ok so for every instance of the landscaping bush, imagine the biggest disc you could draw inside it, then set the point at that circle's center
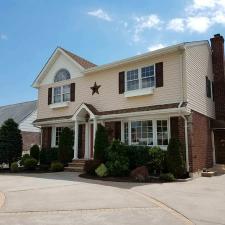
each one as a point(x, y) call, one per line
point(35, 152)
point(168, 177)
point(117, 160)
point(56, 167)
point(101, 143)
point(156, 160)
point(101, 171)
point(175, 159)
point(138, 156)
point(65, 154)
point(91, 165)
point(10, 142)
point(47, 156)
point(30, 164)
point(23, 158)
point(14, 167)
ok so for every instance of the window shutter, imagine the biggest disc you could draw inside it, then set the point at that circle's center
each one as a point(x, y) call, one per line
point(159, 74)
point(121, 82)
point(72, 92)
point(49, 96)
point(213, 91)
point(208, 87)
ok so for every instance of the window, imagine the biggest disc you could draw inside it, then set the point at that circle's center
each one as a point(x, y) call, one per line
point(132, 80)
point(142, 132)
point(162, 132)
point(126, 133)
point(148, 76)
point(61, 94)
point(208, 88)
point(61, 75)
point(138, 79)
point(57, 135)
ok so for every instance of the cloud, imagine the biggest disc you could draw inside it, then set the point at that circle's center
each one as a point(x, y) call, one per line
point(155, 47)
point(198, 24)
point(99, 13)
point(176, 24)
point(3, 36)
point(143, 23)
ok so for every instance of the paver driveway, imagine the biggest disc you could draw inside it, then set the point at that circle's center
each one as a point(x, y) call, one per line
point(64, 198)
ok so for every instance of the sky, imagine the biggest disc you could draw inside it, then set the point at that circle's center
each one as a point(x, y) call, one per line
point(100, 31)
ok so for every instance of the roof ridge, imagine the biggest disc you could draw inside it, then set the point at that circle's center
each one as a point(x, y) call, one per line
point(82, 61)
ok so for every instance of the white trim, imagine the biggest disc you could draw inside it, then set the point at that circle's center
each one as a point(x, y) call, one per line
point(53, 140)
point(86, 151)
point(83, 106)
point(139, 92)
point(59, 105)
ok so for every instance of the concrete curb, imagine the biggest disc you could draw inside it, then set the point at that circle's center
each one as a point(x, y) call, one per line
point(2, 199)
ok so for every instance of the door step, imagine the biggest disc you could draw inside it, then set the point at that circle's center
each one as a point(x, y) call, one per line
point(76, 165)
point(217, 169)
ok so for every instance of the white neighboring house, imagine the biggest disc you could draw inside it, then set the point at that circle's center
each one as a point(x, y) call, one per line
point(24, 114)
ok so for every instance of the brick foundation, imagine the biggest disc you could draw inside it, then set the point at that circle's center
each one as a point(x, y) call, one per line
point(30, 139)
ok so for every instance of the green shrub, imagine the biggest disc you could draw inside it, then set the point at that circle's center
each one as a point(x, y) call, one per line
point(56, 167)
point(65, 154)
point(156, 160)
point(30, 164)
point(175, 159)
point(101, 171)
point(47, 156)
point(117, 160)
point(23, 158)
point(101, 143)
point(91, 165)
point(138, 156)
point(168, 177)
point(35, 152)
point(14, 167)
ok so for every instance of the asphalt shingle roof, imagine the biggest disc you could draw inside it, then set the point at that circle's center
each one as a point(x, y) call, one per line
point(18, 111)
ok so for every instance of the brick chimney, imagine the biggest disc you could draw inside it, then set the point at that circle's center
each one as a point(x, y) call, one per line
point(217, 46)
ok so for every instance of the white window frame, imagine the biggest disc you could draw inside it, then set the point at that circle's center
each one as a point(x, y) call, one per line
point(139, 78)
point(154, 127)
point(61, 93)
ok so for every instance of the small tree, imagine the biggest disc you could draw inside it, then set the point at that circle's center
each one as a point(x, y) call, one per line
point(66, 146)
point(101, 143)
point(175, 159)
point(35, 152)
point(10, 142)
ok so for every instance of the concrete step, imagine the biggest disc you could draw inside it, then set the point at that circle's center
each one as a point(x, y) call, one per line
point(76, 164)
point(208, 174)
point(79, 160)
point(218, 169)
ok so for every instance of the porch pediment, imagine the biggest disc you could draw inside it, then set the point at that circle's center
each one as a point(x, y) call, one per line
point(85, 110)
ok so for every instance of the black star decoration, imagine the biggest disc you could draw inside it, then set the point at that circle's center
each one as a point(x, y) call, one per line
point(95, 88)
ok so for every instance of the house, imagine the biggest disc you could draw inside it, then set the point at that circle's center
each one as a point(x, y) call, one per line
point(177, 91)
point(24, 114)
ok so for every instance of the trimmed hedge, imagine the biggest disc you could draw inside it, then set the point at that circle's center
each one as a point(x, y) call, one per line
point(56, 167)
point(30, 164)
point(47, 156)
point(14, 167)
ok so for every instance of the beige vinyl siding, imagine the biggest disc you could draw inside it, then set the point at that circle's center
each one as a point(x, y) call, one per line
point(198, 66)
point(27, 123)
point(109, 97)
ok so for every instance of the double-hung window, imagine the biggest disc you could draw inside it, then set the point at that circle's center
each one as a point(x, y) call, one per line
point(58, 132)
point(162, 132)
point(61, 94)
point(132, 80)
point(140, 78)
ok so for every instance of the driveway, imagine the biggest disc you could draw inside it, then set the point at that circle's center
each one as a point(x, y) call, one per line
point(64, 198)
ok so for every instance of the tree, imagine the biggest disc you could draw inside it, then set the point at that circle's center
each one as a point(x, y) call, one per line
point(35, 152)
point(11, 143)
point(101, 143)
point(66, 146)
point(175, 159)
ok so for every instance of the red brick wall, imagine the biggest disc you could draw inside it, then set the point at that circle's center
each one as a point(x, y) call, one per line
point(200, 142)
point(177, 129)
point(30, 138)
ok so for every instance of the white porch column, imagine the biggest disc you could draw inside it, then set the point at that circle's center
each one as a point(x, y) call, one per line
point(122, 131)
point(129, 132)
point(86, 154)
point(75, 140)
point(94, 130)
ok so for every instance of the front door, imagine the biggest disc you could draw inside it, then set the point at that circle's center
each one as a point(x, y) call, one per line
point(81, 141)
point(219, 137)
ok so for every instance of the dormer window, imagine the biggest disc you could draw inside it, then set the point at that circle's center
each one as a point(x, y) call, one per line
point(61, 75)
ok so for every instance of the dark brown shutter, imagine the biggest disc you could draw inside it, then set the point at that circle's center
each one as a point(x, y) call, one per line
point(208, 87)
point(46, 137)
point(121, 82)
point(72, 92)
point(159, 74)
point(49, 96)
